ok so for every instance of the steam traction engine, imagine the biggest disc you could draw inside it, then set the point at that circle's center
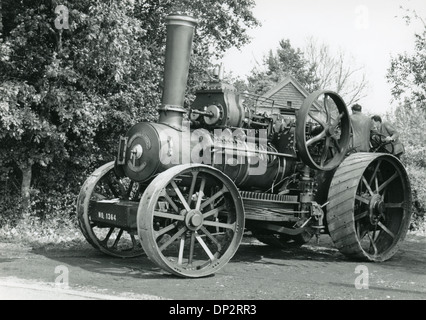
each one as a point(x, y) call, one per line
point(184, 190)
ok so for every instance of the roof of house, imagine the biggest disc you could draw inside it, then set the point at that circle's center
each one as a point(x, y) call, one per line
point(283, 83)
point(289, 79)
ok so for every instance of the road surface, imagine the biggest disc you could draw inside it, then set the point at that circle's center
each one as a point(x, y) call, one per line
point(257, 272)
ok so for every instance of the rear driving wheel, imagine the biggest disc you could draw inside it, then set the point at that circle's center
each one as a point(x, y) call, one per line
point(369, 206)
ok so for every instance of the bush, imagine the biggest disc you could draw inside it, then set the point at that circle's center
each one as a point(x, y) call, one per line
point(10, 208)
point(52, 218)
point(35, 231)
point(417, 176)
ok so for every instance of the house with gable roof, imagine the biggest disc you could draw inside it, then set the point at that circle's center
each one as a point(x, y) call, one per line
point(288, 93)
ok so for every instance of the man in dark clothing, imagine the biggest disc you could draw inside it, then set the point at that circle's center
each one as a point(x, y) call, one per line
point(361, 127)
point(389, 135)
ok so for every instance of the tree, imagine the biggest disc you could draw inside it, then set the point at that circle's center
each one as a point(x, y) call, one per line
point(286, 60)
point(407, 76)
point(336, 72)
point(407, 73)
point(67, 94)
point(315, 67)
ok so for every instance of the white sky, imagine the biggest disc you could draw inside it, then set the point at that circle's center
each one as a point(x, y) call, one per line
point(367, 30)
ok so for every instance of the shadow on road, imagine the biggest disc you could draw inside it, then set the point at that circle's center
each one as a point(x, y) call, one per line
point(252, 250)
point(92, 260)
point(410, 258)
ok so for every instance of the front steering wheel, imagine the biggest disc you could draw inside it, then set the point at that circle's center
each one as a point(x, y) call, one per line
point(323, 130)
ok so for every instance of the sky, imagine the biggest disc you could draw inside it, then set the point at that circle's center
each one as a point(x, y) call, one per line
point(370, 31)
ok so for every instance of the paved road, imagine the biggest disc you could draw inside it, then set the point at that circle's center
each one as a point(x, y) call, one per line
point(314, 271)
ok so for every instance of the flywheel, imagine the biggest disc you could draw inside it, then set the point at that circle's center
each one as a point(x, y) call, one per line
point(369, 208)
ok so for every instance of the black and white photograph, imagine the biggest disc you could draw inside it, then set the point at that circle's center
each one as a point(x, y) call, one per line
point(213, 158)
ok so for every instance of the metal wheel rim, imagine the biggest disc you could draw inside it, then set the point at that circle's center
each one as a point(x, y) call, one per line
point(88, 227)
point(168, 235)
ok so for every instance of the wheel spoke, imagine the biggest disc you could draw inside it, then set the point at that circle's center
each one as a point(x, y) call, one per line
point(191, 248)
point(361, 215)
point(395, 205)
point(172, 239)
point(322, 123)
point(325, 151)
point(214, 197)
point(326, 108)
point(200, 194)
point(386, 183)
point(362, 199)
point(191, 189)
point(381, 225)
point(164, 230)
point(179, 194)
point(181, 247)
point(112, 188)
point(170, 201)
point(368, 186)
point(134, 242)
point(376, 170)
point(117, 240)
point(372, 244)
point(169, 215)
point(105, 241)
point(204, 246)
point(213, 212)
point(212, 238)
point(220, 224)
point(336, 144)
point(316, 138)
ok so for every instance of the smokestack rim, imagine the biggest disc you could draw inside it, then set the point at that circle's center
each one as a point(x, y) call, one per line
point(183, 20)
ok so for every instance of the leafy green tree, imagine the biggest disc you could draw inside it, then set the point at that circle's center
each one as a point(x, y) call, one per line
point(67, 94)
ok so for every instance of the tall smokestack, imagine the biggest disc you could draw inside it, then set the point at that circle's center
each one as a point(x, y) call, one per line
point(180, 31)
